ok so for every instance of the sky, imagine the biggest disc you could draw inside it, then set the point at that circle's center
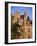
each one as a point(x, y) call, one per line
point(22, 10)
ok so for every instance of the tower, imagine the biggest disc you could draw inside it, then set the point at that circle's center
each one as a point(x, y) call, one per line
point(17, 14)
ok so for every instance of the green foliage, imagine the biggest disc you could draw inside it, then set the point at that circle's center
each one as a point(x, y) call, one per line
point(15, 27)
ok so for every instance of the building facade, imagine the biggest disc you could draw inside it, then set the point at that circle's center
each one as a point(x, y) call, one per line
point(24, 26)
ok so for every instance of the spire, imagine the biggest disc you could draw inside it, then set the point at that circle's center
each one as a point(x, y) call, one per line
point(28, 19)
point(25, 13)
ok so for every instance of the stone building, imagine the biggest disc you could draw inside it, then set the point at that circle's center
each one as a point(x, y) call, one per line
point(27, 27)
point(25, 24)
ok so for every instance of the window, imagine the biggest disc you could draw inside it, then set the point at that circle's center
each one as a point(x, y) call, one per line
point(28, 30)
point(28, 36)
